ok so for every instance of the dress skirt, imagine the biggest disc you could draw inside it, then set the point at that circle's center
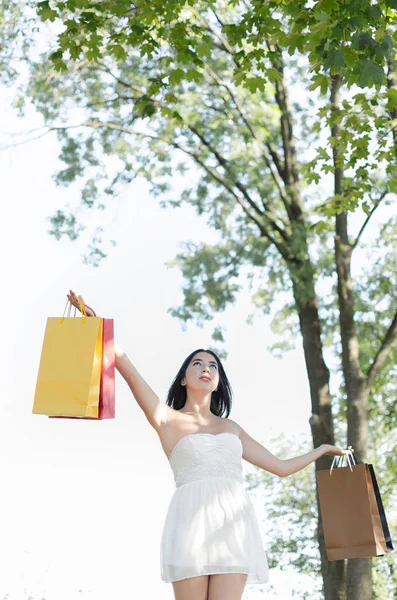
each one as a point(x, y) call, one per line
point(210, 528)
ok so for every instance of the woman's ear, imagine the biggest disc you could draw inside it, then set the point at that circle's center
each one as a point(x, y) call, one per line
point(183, 382)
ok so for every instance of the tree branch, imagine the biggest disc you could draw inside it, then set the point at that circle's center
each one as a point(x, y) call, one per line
point(37, 137)
point(294, 207)
point(210, 170)
point(274, 173)
point(215, 175)
point(222, 161)
point(217, 17)
point(375, 206)
point(223, 41)
point(109, 101)
point(120, 81)
point(225, 164)
point(280, 175)
point(277, 161)
point(237, 104)
point(226, 46)
point(383, 351)
point(391, 84)
point(287, 174)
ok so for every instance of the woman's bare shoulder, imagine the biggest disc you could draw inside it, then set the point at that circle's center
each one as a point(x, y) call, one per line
point(237, 429)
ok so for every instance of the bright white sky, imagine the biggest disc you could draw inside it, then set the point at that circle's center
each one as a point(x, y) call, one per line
point(83, 503)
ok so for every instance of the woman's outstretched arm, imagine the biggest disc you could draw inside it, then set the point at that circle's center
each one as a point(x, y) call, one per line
point(260, 456)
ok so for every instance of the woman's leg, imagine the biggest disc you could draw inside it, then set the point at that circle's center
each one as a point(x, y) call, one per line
point(192, 588)
point(228, 585)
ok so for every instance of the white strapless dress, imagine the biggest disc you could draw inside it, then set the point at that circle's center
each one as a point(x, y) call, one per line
point(211, 525)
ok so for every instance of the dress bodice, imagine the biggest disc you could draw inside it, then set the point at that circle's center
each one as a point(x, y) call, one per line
point(206, 455)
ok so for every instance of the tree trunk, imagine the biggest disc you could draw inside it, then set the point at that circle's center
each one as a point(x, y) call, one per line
point(321, 423)
point(302, 278)
point(359, 571)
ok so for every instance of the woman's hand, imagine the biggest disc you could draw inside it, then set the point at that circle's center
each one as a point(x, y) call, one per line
point(73, 299)
point(334, 450)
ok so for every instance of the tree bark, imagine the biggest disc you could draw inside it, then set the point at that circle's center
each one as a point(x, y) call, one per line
point(392, 83)
point(303, 282)
point(359, 571)
point(321, 423)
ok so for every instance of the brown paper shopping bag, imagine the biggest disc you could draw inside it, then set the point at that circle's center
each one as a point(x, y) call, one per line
point(354, 521)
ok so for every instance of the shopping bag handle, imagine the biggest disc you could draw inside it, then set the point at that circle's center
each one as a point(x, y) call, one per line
point(69, 306)
point(350, 459)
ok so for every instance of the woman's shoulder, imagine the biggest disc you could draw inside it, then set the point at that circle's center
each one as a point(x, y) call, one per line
point(233, 426)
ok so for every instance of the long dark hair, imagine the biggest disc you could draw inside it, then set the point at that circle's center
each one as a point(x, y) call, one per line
point(221, 400)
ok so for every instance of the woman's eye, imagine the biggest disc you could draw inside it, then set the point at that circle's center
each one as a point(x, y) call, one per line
point(197, 362)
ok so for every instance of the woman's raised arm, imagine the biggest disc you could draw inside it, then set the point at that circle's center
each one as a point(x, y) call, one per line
point(155, 411)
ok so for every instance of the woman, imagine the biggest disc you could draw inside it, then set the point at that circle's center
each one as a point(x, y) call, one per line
point(210, 545)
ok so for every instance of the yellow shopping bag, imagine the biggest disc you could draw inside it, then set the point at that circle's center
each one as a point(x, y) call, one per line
point(69, 375)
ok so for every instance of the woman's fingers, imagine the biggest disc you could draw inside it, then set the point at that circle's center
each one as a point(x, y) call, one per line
point(75, 301)
point(336, 451)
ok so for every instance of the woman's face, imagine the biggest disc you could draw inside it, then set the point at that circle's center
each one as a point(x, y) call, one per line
point(202, 373)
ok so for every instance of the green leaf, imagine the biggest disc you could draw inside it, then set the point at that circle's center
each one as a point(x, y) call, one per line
point(203, 51)
point(59, 63)
point(387, 46)
point(45, 12)
point(375, 13)
point(176, 76)
point(193, 75)
point(321, 26)
point(118, 51)
point(274, 74)
point(363, 40)
point(255, 83)
point(320, 81)
point(177, 116)
point(170, 97)
point(369, 73)
point(320, 226)
point(366, 208)
point(335, 62)
point(328, 5)
point(298, 42)
point(351, 57)
point(166, 112)
point(321, 16)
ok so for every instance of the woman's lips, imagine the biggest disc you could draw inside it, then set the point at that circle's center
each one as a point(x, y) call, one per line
point(205, 378)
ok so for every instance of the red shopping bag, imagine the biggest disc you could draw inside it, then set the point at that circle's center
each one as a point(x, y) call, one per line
point(106, 406)
point(106, 409)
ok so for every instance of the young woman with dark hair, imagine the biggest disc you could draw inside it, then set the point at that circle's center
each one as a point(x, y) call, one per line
point(210, 545)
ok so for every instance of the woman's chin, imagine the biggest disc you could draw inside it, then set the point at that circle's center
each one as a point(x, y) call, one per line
point(203, 386)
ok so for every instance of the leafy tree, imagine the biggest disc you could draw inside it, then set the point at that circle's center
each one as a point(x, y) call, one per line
point(219, 92)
